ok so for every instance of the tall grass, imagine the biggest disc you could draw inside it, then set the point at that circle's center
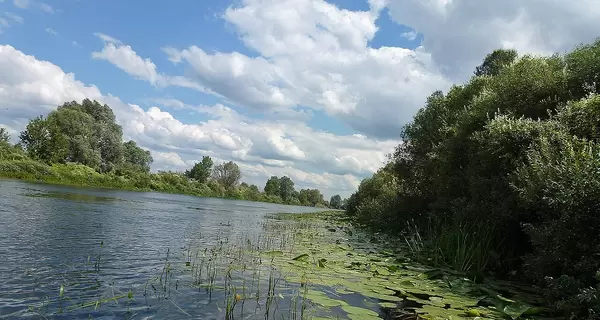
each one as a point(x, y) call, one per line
point(462, 246)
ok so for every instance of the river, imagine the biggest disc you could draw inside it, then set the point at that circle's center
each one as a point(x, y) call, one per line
point(84, 253)
point(52, 236)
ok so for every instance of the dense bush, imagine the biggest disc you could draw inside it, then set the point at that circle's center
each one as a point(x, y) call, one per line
point(502, 173)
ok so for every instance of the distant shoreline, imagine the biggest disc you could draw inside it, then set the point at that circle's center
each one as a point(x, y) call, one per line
point(72, 175)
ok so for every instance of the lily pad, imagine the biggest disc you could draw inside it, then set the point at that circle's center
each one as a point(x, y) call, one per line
point(352, 310)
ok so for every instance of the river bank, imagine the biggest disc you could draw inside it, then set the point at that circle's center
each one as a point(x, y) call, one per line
point(72, 174)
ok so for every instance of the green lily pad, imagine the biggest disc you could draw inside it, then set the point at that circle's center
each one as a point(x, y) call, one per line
point(352, 310)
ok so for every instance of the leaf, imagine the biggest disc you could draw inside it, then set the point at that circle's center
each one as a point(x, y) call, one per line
point(359, 311)
point(275, 253)
point(302, 257)
point(321, 262)
point(515, 310)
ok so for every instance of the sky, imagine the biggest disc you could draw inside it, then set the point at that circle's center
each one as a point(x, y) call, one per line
point(312, 89)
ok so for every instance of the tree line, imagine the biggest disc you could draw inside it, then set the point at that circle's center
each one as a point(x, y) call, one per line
point(501, 175)
point(82, 144)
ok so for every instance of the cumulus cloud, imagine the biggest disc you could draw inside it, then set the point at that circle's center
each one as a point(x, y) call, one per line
point(458, 34)
point(126, 59)
point(51, 31)
point(25, 4)
point(32, 87)
point(315, 55)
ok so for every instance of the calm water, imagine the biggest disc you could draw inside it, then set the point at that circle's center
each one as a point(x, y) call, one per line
point(53, 235)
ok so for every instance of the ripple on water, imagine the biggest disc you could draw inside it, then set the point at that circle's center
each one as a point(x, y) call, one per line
point(101, 244)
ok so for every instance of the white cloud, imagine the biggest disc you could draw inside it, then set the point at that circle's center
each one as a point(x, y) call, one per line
point(410, 35)
point(126, 59)
point(14, 17)
point(315, 55)
point(33, 87)
point(107, 38)
point(458, 34)
point(51, 31)
point(46, 8)
point(23, 4)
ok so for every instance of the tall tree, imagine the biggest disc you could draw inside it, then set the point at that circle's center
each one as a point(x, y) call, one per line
point(286, 188)
point(85, 133)
point(310, 197)
point(495, 61)
point(135, 157)
point(227, 174)
point(272, 186)
point(35, 138)
point(201, 170)
point(336, 202)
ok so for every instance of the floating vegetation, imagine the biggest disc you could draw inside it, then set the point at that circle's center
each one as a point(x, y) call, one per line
point(297, 268)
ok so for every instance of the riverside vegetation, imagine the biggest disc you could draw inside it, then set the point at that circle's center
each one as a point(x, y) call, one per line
point(300, 266)
point(81, 144)
point(500, 175)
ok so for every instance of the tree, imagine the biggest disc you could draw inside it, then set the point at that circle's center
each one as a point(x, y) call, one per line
point(4, 135)
point(336, 202)
point(286, 189)
point(310, 197)
point(85, 133)
point(495, 61)
point(201, 170)
point(35, 138)
point(272, 186)
point(227, 174)
point(136, 158)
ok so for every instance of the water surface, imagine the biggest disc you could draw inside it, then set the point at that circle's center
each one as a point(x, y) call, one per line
point(99, 244)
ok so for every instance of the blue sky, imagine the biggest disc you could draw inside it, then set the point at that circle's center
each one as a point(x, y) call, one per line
point(53, 37)
point(316, 90)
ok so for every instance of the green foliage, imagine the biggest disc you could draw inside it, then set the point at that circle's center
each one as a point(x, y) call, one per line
point(501, 174)
point(495, 62)
point(227, 174)
point(375, 202)
point(311, 198)
point(272, 186)
point(201, 170)
point(335, 202)
point(286, 189)
point(135, 158)
point(4, 136)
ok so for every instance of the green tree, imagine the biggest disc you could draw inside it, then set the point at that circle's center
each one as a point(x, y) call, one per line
point(201, 171)
point(286, 189)
point(272, 186)
point(136, 158)
point(310, 197)
point(36, 139)
point(336, 201)
point(496, 61)
point(4, 135)
point(227, 174)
